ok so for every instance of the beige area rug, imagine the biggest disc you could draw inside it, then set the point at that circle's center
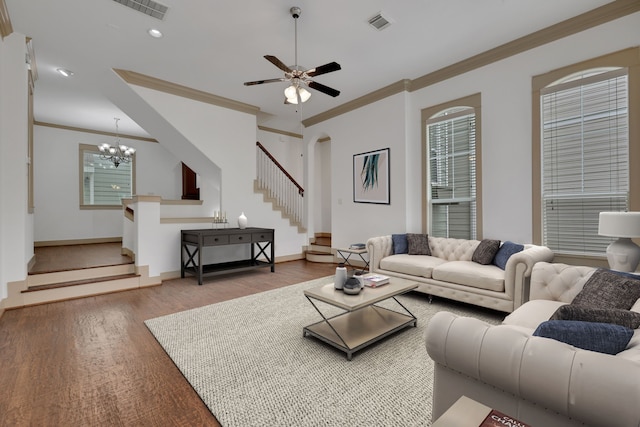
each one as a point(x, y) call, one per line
point(248, 361)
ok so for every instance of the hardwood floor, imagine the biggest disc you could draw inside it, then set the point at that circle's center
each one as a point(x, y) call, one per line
point(74, 257)
point(92, 361)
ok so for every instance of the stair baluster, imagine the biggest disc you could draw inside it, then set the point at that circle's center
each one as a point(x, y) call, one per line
point(279, 186)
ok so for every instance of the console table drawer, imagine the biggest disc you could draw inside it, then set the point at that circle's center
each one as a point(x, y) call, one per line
point(215, 240)
point(239, 238)
point(266, 236)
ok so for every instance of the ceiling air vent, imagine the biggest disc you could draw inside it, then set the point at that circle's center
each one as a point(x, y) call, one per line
point(379, 22)
point(148, 7)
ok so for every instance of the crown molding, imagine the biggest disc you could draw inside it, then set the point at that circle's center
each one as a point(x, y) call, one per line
point(281, 132)
point(5, 21)
point(590, 19)
point(370, 98)
point(598, 16)
point(149, 82)
point(97, 132)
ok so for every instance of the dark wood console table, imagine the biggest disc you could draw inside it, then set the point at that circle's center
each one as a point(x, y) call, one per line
point(192, 242)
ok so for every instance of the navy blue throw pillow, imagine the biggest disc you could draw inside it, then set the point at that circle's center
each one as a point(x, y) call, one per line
point(504, 253)
point(600, 337)
point(400, 244)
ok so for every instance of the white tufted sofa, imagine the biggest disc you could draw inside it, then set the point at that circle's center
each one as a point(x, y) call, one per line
point(450, 273)
point(539, 381)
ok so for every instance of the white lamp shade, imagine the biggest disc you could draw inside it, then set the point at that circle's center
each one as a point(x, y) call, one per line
point(292, 96)
point(619, 224)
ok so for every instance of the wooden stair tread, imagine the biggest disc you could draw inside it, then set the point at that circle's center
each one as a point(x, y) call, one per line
point(60, 270)
point(322, 241)
point(319, 253)
point(80, 282)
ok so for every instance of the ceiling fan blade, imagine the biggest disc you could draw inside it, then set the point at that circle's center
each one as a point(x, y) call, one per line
point(324, 89)
point(275, 61)
point(324, 69)
point(259, 82)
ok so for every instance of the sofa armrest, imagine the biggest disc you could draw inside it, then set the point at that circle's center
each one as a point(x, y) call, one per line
point(378, 248)
point(518, 271)
point(590, 387)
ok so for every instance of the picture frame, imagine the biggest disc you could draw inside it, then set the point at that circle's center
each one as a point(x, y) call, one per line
point(371, 177)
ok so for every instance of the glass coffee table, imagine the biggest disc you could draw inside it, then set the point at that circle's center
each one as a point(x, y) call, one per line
point(362, 322)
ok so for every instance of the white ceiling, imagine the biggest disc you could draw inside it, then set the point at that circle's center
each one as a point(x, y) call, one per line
point(216, 45)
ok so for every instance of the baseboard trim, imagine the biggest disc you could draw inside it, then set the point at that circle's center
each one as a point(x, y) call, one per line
point(286, 258)
point(45, 243)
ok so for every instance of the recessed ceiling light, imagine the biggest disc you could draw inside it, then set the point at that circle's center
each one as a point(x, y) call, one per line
point(154, 33)
point(65, 72)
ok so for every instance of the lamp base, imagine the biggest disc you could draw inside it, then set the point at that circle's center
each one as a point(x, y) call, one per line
point(623, 255)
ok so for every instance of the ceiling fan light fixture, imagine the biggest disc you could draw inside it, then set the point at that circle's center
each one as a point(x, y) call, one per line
point(292, 96)
point(297, 75)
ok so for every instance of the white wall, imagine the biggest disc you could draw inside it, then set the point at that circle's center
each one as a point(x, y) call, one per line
point(506, 118)
point(372, 127)
point(321, 191)
point(57, 212)
point(394, 122)
point(228, 139)
point(16, 224)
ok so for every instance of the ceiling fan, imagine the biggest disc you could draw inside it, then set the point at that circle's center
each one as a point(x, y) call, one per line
point(296, 93)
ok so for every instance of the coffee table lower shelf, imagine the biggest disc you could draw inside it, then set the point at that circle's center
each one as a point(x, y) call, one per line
point(360, 328)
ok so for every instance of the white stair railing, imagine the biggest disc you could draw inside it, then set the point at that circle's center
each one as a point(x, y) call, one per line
point(279, 185)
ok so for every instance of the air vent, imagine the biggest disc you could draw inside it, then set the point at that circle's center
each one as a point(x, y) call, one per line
point(148, 7)
point(379, 22)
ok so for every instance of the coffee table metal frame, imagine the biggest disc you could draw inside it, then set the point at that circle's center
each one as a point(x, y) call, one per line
point(362, 321)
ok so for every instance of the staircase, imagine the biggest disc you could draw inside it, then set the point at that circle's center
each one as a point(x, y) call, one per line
point(63, 285)
point(277, 206)
point(279, 188)
point(74, 271)
point(319, 249)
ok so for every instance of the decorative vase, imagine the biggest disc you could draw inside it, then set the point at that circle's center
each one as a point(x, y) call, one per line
point(340, 277)
point(242, 221)
point(352, 286)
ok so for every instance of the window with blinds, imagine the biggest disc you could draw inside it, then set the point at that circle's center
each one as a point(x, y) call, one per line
point(451, 148)
point(585, 158)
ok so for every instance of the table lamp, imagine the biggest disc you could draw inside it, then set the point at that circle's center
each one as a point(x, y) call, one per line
point(623, 254)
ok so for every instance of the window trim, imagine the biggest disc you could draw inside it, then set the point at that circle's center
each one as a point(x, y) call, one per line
point(84, 148)
point(473, 101)
point(629, 58)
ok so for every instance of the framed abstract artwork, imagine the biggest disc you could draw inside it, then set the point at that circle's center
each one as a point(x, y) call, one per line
point(371, 177)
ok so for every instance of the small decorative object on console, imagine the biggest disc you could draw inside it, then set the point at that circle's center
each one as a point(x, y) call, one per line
point(242, 221)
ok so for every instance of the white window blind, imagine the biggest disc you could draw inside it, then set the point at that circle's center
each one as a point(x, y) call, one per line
point(585, 159)
point(451, 142)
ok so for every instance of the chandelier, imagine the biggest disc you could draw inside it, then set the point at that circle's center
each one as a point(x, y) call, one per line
point(117, 153)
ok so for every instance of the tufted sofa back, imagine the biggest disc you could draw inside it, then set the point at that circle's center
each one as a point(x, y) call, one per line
point(452, 249)
point(558, 282)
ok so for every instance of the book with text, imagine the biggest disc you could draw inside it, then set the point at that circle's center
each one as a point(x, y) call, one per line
point(498, 419)
point(374, 280)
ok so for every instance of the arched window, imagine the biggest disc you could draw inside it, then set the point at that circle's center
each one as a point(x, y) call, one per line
point(451, 144)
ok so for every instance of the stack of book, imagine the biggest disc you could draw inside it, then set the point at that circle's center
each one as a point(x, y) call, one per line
point(373, 280)
point(357, 246)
